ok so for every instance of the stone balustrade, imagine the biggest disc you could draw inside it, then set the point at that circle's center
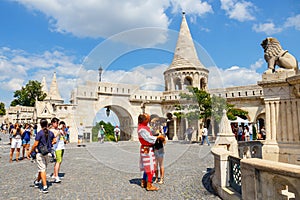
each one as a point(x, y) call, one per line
point(265, 179)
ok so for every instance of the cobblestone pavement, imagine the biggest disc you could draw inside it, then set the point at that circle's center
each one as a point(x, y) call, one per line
point(110, 171)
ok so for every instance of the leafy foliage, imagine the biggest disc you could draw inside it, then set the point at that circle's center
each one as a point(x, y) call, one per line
point(203, 106)
point(199, 105)
point(27, 95)
point(109, 131)
point(2, 109)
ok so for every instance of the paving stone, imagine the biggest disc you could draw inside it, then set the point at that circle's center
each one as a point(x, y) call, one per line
point(111, 171)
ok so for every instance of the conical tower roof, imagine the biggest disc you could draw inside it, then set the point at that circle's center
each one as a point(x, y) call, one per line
point(53, 92)
point(185, 53)
point(44, 86)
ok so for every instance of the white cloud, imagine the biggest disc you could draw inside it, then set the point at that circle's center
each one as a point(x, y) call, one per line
point(197, 7)
point(293, 22)
point(101, 19)
point(239, 10)
point(257, 65)
point(233, 76)
point(148, 77)
point(267, 28)
point(13, 84)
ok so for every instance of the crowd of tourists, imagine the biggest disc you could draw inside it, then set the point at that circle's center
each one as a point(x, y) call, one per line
point(48, 145)
point(246, 133)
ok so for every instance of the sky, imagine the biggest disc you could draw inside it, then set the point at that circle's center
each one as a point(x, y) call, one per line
point(134, 40)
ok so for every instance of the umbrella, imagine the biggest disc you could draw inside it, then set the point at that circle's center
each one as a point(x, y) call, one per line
point(239, 120)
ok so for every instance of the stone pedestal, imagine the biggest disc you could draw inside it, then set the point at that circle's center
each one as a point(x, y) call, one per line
point(282, 105)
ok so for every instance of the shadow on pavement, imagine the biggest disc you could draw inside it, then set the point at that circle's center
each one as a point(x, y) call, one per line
point(136, 181)
point(206, 181)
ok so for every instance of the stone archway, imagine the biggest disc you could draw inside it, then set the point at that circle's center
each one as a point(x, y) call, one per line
point(125, 121)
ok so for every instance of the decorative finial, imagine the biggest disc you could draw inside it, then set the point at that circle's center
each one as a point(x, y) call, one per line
point(183, 13)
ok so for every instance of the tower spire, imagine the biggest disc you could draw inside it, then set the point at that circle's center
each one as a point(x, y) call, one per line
point(185, 53)
point(53, 92)
point(44, 86)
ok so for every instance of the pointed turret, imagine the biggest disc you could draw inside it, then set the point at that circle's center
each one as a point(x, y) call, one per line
point(53, 94)
point(185, 53)
point(186, 68)
point(44, 86)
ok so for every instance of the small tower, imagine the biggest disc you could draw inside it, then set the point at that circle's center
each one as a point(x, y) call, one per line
point(185, 69)
point(44, 86)
point(53, 94)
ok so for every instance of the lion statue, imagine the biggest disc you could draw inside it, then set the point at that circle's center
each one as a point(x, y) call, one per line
point(275, 55)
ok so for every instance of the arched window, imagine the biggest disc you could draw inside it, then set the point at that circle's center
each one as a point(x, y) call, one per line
point(203, 84)
point(177, 84)
point(188, 81)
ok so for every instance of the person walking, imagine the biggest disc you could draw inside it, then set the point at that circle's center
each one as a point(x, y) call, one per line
point(117, 133)
point(16, 142)
point(205, 136)
point(147, 158)
point(26, 140)
point(101, 133)
point(44, 138)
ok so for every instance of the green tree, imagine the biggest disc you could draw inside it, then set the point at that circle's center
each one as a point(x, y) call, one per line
point(109, 131)
point(27, 95)
point(198, 105)
point(2, 109)
point(201, 105)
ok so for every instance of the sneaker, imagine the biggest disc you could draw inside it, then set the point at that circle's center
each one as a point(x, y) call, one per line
point(54, 177)
point(36, 184)
point(44, 190)
point(57, 180)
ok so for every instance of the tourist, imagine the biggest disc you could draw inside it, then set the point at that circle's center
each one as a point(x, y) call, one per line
point(26, 139)
point(67, 131)
point(250, 131)
point(205, 136)
point(117, 133)
point(159, 153)
point(165, 128)
point(11, 127)
point(16, 142)
point(147, 157)
point(43, 138)
point(247, 133)
point(263, 133)
point(240, 133)
point(58, 130)
point(80, 133)
point(189, 134)
point(101, 133)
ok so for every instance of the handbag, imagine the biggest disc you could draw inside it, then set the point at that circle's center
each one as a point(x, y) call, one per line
point(44, 148)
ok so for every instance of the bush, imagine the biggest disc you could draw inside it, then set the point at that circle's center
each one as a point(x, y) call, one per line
point(109, 131)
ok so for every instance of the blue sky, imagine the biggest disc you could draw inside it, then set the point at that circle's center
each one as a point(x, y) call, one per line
point(74, 37)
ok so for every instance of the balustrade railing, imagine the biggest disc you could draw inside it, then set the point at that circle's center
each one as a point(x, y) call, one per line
point(235, 175)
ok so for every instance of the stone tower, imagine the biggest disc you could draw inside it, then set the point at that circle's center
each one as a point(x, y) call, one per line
point(53, 94)
point(186, 68)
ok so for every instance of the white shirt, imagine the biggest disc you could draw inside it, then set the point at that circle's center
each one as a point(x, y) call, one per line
point(204, 132)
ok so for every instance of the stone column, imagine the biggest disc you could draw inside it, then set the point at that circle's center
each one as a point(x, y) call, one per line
point(273, 119)
point(298, 110)
point(289, 124)
point(295, 121)
point(283, 122)
point(268, 121)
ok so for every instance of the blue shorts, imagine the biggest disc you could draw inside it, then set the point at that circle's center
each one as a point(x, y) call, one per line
point(25, 141)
